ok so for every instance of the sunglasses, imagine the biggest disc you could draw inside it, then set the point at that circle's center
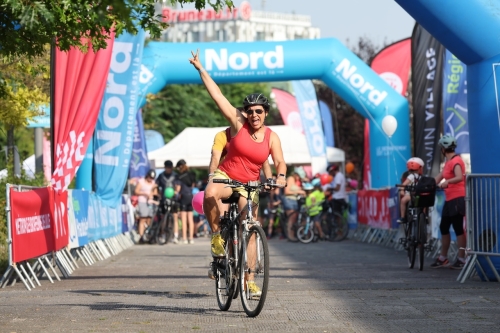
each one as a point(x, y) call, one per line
point(258, 111)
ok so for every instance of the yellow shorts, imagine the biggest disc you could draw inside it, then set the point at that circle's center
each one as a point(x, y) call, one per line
point(219, 174)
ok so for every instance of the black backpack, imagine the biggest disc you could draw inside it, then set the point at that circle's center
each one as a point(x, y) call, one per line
point(425, 192)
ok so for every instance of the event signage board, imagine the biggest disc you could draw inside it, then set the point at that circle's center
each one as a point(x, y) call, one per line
point(373, 208)
point(31, 223)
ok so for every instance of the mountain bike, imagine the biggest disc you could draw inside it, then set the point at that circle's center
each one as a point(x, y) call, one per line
point(246, 257)
point(415, 228)
point(335, 224)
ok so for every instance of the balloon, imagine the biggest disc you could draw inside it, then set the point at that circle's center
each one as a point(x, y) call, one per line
point(330, 178)
point(169, 193)
point(349, 167)
point(389, 125)
point(195, 190)
point(198, 202)
point(325, 179)
point(354, 184)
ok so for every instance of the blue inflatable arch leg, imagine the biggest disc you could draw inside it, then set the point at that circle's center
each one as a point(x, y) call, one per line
point(325, 59)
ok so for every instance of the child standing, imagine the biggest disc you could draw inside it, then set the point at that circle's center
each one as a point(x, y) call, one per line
point(314, 204)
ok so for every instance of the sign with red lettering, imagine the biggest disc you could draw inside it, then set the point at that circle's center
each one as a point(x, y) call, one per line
point(373, 208)
point(193, 15)
point(31, 223)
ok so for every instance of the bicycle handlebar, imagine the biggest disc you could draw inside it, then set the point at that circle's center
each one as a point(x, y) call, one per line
point(251, 185)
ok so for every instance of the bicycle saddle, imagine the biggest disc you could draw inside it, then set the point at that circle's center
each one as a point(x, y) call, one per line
point(232, 199)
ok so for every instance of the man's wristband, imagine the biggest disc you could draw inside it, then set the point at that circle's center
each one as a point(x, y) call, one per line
point(201, 70)
point(281, 175)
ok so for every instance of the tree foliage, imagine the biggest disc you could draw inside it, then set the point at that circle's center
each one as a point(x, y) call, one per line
point(179, 106)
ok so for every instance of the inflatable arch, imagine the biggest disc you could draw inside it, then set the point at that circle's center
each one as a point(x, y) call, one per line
point(325, 59)
point(469, 29)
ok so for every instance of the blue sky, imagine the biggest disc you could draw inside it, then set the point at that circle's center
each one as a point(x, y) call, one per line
point(378, 20)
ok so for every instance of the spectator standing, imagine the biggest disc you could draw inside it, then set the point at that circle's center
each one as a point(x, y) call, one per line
point(290, 203)
point(184, 191)
point(339, 196)
point(146, 189)
point(453, 184)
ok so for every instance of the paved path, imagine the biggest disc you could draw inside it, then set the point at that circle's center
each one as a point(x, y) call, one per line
point(321, 287)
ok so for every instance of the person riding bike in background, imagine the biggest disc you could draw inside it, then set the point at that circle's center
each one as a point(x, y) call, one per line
point(415, 166)
point(314, 204)
point(454, 206)
point(166, 181)
point(251, 144)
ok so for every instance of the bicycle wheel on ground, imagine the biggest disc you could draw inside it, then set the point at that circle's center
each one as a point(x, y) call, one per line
point(305, 234)
point(164, 231)
point(225, 282)
point(410, 237)
point(254, 272)
point(422, 239)
point(339, 229)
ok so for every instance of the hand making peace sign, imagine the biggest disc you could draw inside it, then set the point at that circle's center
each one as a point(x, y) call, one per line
point(195, 60)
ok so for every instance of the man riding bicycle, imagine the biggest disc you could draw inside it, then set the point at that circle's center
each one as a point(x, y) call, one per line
point(251, 144)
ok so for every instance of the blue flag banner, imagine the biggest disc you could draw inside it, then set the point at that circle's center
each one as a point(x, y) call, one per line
point(311, 123)
point(80, 201)
point(139, 163)
point(455, 102)
point(114, 132)
point(353, 210)
point(326, 117)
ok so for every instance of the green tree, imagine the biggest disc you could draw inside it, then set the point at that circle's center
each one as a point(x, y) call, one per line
point(179, 106)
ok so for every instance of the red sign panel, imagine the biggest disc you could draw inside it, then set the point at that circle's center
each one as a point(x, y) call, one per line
point(373, 208)
point(61, 228)
point(31, 223)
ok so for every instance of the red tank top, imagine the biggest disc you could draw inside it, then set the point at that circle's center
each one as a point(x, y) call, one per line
point(245, 157)
point(456, 190)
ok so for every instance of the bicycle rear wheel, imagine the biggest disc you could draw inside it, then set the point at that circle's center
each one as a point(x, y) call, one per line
point(339, 229)
point(410, 236)
point(422, 239)
point(225, 282)
point(164, 231)
point(254, 272)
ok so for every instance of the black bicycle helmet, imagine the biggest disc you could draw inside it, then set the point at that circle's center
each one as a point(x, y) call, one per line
point(256, 99)
point(151, 173)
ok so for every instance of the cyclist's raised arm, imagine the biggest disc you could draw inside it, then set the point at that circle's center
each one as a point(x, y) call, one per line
point(279, 161)
point(229, 111)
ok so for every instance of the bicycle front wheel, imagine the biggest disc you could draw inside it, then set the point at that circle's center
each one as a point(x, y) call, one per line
point(305, 234)
point(165, 229)
point(412, 249)
point(225, 282)
point(422, 239)
point(254, 271)
point(340, 228)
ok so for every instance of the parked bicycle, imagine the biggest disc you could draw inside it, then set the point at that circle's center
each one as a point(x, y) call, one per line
point(417, 219)
point(245, 267)
point(307, 232)
point(335, 225)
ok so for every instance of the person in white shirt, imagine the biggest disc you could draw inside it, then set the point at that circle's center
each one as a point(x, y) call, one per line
point(339, 196)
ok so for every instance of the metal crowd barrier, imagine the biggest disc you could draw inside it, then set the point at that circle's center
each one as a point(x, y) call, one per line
point(482, 202)
point(62, 262)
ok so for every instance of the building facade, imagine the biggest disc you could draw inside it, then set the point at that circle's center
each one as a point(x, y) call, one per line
point(242, 24)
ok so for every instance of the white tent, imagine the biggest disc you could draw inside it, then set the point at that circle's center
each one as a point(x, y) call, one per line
point(194, 145)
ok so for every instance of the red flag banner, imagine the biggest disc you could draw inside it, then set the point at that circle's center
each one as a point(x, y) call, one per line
point(80, 80)
point(60, 219)
point(373, 208)
point(393, 64)
point(289, 109)
point(31, 223)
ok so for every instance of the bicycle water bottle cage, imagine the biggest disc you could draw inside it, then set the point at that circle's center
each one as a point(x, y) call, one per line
point(232, 199)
